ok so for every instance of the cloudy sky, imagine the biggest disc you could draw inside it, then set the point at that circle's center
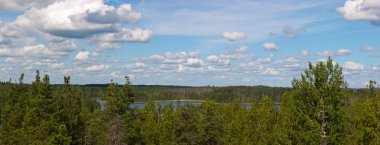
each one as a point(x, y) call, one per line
point(188, 42)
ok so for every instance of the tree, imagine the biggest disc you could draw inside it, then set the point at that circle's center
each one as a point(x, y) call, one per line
point(317, 104)
point(69, 110)
point(150, 115)
point(210, 126)
point(13, 113)
point(365, 120)
point(119, 115)
point(40, 125)
point(186, 128)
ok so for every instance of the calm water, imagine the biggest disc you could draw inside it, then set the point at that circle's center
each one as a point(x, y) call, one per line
point(175, 104)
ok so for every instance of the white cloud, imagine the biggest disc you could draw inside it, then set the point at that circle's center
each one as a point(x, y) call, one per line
point(126, 35)
point(289, 31)
point(111, 40)
point(265, 60)
point(218, 61)
point(193, 53)
point(17, 5)
point(64, 45)
point(270, 71)
point(77, 18)
point(342, 52)
point(353, 66)
point(100, 67)
point(38, 51)
point(194, 62)
point(212, 58)
point(242, 48)
point(325, 53)
point(368, 49)
point(156, 58)
point(234, 36)
point(270, 46)
point(339, 52)
point(305, 53)
point(361, 10)
point(82, 55)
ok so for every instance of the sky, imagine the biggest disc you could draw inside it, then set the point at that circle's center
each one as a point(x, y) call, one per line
point(188, 42)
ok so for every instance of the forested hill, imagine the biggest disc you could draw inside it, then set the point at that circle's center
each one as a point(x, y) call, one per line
point(218, 94)
point(317, 110)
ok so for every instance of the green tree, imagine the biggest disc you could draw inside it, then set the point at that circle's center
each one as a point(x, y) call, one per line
point(119, 115)
point(13, 113)
point(69, 111)
point(186, 128)
point(321, 88)
point(167, 125)
point(40, 125)
point(365, 118)
point(150, 116)
point(210, 125)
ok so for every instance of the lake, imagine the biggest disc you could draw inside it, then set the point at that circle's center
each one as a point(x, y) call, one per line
point(176, 103)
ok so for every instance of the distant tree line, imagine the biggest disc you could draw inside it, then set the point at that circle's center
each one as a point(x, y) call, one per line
point(318, 110)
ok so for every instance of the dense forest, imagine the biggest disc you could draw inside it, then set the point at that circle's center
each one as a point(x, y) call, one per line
point(318, 109)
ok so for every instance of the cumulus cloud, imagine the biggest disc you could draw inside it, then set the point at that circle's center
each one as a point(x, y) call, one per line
point(194, 62)
point(342, 52)
point(111, 40)
point(368, 49)
point(305, 53)
point(339, 52)
point(270, 71)
point(353, 66)
point(289, 31)
point(212, 58)
point(234, 36)
point(270, 46)
point(78, 18)
point(100, 67)
point(136, 67)
point(218, 61)
point(325, 53)
point(37, 51)
point(82, 55)
point(18, 5)
point(242, 48)
point(361, 10)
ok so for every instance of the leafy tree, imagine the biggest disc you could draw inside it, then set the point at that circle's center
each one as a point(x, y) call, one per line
point(365, 118)
point(321, 88)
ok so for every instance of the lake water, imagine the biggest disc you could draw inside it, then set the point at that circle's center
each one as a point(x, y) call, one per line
point(176, 103)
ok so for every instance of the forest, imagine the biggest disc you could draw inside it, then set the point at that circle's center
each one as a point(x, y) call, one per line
point(318, 109)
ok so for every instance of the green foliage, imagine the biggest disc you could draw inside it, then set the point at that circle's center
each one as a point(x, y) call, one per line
point(41, 113)
point(320, 88)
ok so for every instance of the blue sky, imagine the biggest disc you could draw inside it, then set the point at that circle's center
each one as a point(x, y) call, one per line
point(214, 42)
